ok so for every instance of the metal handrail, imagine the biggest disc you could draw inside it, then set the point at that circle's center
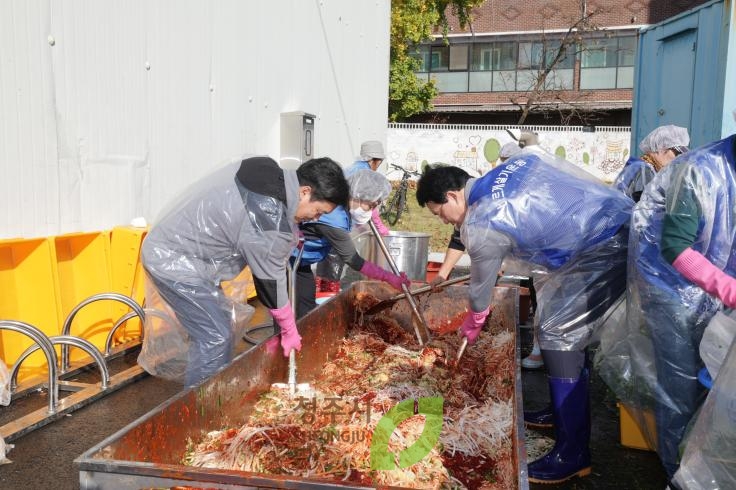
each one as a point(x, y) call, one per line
point(48, 349)
point(97, 297)
point(70, 340)
point(121, 321)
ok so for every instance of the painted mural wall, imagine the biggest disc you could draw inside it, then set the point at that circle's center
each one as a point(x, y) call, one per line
point(476, 148)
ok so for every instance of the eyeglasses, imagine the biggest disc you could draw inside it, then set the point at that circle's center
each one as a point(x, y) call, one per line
point(366, 205)
point(678, 150)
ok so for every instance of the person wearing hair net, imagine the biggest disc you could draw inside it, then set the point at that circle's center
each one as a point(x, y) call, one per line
point(329, 270)
point(245, 213)
point(681, 272)
point(371, 157)
point(331, 232)
point(658, 148)
point(576, 229)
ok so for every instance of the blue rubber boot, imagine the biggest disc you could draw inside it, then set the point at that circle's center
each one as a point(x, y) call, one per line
point(570, 455)
point(539, 419)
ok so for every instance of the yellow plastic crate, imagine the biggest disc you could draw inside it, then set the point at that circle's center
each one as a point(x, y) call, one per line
point(234, 289)
point(128, 276)
point(28, 294)
point(633, 435)
point(82, 269)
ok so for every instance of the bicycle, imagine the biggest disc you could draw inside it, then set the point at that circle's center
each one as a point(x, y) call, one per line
point(393, 208)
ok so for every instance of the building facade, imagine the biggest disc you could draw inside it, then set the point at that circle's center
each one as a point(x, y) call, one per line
point(574, 59)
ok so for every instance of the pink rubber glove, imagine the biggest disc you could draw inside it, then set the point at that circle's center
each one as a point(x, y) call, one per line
point(701, 271)
point(374, 272)
point(290, 338)
point(380, 226)
point(473, 324)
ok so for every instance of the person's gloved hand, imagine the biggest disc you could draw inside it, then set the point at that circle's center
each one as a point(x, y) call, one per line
point(375, 272)
point(701, 271)
point(290, 338)
point(435, 283)
point(473, 324)
point(380, 225)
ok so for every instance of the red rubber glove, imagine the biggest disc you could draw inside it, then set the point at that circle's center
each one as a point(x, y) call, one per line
point(374, 272)
point(473, 324)
point(290, 338)
point(701, 271)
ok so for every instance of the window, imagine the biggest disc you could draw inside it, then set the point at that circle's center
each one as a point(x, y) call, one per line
point(459, 57)
point(482, 55)
point(515, 65)
point(440, 58)
point(608, 63)
point(421, 54)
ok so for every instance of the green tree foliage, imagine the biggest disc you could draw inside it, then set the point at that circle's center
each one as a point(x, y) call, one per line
point(414, 21)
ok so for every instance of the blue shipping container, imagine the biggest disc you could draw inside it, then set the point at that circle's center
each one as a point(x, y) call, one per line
point(685, 74)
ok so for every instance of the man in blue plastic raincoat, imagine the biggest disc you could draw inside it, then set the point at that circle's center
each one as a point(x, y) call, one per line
point(538, 209)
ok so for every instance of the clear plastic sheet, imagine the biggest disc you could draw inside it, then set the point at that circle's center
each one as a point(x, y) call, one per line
point(5, 393)
point(208, 236)
point(666, 314)
point(709, 458)
point(717, 338)
point(537, 209)
point(4, 448)
point(634, 177)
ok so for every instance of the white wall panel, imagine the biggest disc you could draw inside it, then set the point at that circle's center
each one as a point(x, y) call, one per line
point(131, 101)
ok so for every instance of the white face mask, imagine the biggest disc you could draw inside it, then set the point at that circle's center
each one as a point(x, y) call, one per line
point(360, 215)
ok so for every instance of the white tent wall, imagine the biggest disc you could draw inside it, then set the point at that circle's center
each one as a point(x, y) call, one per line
point(110, 109)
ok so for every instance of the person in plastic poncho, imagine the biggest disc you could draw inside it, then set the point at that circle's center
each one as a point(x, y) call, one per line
point(534, 208)
point(330, 270)
point(371, 157)
point(332, 232)
point(658, 148)
point(682, 268)
point(243, 214)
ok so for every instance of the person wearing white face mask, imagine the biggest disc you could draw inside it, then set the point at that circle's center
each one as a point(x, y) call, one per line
point(331, 232)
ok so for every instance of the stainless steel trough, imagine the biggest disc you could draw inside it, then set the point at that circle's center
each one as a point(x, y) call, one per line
point(148, 452)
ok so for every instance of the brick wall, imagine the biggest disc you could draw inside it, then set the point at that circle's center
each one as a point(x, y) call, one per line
point(513, 15)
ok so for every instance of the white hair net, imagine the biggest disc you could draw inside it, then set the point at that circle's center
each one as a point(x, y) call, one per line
point(367, 185)
point(664, 137)
point(509, 149)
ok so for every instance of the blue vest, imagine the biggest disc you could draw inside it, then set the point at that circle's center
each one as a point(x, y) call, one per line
point(548, 214)
point(315, 250)
point(358, 165)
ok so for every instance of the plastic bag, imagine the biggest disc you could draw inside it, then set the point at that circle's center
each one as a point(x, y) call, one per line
point(717, 338)
point(166, 343)
point(5, 393)
point(709, 457)
point(165, 350)
point(4, 448)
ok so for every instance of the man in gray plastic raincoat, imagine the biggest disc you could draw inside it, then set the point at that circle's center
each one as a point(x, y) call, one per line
point(540, 209)
point(243, 214)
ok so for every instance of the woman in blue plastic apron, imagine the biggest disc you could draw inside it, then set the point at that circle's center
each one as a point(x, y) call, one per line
point(332, 233)
point(681, 271)
point(658, 148)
